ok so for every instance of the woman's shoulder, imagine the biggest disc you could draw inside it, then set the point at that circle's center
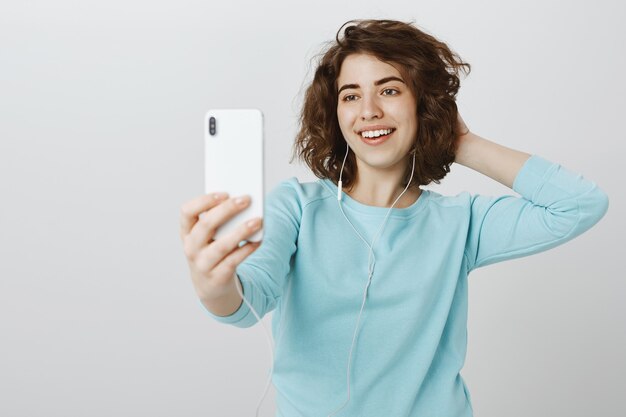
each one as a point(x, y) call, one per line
point(302, 193)
point(460, 198)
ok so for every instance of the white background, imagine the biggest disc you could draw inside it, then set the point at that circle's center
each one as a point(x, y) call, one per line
point(101, 112)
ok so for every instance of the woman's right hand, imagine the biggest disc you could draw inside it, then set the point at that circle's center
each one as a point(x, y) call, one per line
point(212, 263)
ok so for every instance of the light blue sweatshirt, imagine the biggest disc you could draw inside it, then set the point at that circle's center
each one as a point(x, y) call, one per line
point(312, 269)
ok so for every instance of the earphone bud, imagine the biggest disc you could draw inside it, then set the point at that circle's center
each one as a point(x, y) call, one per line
point(340, 184)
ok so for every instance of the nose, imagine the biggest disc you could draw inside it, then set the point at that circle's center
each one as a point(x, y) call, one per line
point(370, 108)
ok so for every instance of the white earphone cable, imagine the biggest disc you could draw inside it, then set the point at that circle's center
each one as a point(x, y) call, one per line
point(269, 342)
point(369, 280)
point(370, 267)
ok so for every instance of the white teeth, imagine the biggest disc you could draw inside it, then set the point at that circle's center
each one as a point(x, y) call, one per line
point(375, 133)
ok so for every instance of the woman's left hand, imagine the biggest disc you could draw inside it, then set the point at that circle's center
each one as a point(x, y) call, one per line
point(462, 139)
point(461, 126)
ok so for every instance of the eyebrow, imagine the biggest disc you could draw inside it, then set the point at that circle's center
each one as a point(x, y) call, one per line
point(376, 83)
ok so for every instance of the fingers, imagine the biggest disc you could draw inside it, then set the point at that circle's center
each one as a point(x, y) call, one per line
point(462, 127)
point(219, 250)
point(190, 211)
point(228, 265)
point(213, 263)
point(204, 230)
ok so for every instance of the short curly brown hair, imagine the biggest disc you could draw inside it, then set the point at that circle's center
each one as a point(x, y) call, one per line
point(431, 70)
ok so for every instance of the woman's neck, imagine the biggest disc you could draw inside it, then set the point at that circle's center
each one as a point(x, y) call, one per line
point(408, 198)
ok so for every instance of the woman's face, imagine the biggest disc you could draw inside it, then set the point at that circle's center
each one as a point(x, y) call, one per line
point(373, 97)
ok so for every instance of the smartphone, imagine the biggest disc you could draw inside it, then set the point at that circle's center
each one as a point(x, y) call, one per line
point(233, 150)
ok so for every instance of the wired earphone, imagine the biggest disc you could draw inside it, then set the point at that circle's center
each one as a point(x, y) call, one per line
point(369, 280)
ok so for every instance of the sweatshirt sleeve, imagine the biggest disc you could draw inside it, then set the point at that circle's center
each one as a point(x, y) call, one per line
point(263, 273)
point(555, 206)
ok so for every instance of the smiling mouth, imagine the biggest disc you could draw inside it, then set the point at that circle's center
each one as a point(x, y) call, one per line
point(377, 135)
point(377, 140)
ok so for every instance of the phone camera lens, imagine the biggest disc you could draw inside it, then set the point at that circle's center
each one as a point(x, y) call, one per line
point(212, 125)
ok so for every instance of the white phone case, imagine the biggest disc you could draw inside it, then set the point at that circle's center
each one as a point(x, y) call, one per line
point(233, 140)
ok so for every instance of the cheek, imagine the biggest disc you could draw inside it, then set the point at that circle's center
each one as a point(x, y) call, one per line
point(410, 118)
point(345, 119)
point(406, 108)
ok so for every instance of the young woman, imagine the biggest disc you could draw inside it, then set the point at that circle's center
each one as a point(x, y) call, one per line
point(365, 271)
